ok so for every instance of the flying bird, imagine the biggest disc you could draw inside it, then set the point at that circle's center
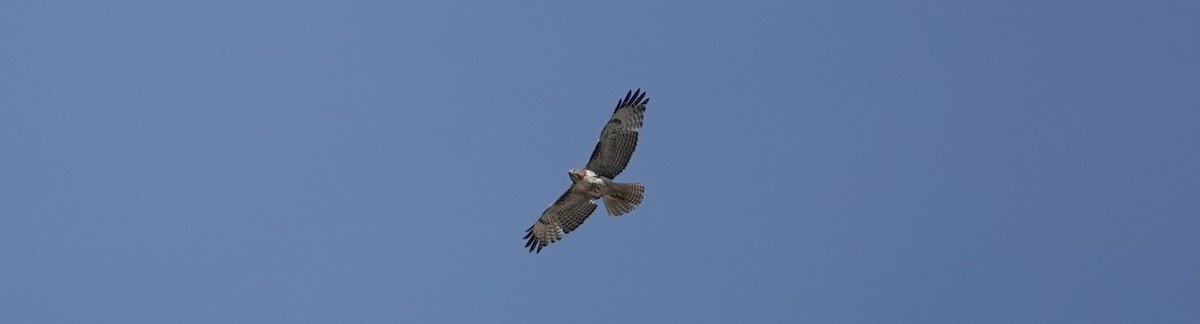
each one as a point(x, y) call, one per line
point(594, 181)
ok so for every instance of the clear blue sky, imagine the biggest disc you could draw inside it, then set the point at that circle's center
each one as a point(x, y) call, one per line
point(378, 162)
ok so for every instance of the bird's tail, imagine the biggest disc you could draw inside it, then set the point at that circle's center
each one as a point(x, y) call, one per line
point(623, 197)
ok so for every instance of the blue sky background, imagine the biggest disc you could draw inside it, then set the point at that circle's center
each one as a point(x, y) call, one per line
point(834, 161)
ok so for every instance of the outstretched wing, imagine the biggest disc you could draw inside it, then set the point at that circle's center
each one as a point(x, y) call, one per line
point(562, 217)
point(619, 137)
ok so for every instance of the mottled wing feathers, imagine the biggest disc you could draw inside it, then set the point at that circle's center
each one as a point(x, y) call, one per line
point(562, 217)
point(619, 137)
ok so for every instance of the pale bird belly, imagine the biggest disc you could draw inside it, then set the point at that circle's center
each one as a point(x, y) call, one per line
point(593, 186)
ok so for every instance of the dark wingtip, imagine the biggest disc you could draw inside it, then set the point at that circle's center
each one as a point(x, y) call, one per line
point(632, 98)
point(532, 241)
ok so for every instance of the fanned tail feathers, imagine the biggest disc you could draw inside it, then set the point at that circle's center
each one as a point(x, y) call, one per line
point(623, 198)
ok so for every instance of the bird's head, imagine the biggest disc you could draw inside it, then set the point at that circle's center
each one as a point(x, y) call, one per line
point(576, 174)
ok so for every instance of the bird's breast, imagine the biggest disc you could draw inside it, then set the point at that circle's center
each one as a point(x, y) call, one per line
point(592, 185)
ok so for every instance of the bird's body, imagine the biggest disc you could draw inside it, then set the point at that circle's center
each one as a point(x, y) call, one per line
point(613, 150)
point(588, 182)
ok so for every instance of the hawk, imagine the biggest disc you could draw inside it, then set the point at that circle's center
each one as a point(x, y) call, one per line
point(617, 141)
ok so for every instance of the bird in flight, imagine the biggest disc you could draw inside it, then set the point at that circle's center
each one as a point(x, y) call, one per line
point(594, 181)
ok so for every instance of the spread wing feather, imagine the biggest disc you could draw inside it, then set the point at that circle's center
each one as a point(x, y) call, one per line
point(562, 217)
point(619, 137)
